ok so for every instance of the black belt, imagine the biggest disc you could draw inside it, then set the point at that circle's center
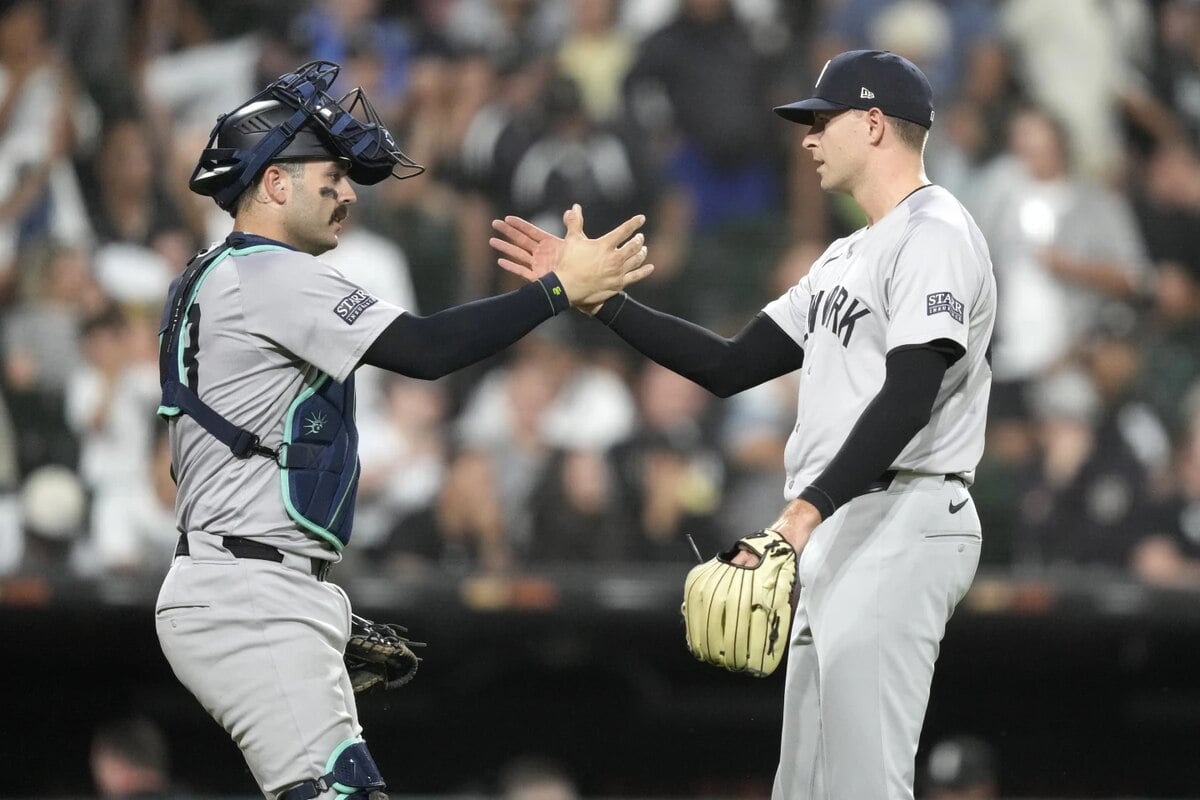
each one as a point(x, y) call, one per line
point(248, 548)
point(884, 481)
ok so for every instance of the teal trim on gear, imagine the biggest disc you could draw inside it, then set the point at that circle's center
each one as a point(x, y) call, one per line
point(186, 329)
point(286, 486)
point(168, 411)
point(343, 790)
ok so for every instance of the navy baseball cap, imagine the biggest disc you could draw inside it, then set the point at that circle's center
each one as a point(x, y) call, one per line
point(865, 79)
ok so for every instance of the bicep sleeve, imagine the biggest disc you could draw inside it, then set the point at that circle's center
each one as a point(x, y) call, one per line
point(900, 410)
point(759, 352)
point(433, 346)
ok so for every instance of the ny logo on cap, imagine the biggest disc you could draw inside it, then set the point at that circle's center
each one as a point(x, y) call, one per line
point(866, 94)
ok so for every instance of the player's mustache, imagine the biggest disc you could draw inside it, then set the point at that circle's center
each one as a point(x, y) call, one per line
point(340, 213)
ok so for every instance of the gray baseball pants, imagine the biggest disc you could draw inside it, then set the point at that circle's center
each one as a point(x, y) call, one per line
point(879, 580)
point(260, 645)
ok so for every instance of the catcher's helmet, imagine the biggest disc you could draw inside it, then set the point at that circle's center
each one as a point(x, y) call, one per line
point(295, 119)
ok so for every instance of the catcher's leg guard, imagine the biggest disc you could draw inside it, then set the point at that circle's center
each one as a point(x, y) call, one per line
point(350, 771)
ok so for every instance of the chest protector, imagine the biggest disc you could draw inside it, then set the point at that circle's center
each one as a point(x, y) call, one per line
point(318, 456)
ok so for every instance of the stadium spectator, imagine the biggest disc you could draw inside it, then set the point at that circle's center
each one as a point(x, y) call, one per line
point(43, 115)
point(1170, 554)
point(130, 759)
point(596, 53)
point(142, 239)
point(1175, 72)
point(1099, 448)
point(499, 131)
point(577, 512)
point(546, 398)
point(404, 460)
point(1060, 245)
point(110, 406)
point(463, 530)
point(40, 344)
point(1168, 207)
point(720, 193)
point(671, 474)
point(1083, 83)
point(133, 524)
point(570, 159)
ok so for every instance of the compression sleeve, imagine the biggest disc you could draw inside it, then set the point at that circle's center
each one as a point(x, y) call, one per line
point(900, 410)
point(433, 346)
point(760, 352)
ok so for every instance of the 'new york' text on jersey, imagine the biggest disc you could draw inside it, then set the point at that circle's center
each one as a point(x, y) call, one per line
point(921, 273)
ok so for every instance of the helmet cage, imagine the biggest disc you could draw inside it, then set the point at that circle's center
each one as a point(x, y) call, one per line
point(225, 172)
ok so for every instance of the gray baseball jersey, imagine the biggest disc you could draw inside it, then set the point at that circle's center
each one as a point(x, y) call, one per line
point(270, 321)
point(921, 273)
point(880, 578)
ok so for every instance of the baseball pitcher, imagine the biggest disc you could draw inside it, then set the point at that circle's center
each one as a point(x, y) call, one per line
point(890, 330)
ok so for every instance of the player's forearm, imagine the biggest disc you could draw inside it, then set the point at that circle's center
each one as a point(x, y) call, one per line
point(760, 352)
point(434, 346)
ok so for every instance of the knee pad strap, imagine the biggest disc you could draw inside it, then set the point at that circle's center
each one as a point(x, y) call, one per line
point(350, 771)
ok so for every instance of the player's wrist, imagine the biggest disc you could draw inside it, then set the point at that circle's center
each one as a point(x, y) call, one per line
point(819, 500)
point(557, 294)
point(608, 310)
point(797, 522)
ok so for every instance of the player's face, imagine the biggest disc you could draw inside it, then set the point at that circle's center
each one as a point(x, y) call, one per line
point(319, 204)
point(833, 143)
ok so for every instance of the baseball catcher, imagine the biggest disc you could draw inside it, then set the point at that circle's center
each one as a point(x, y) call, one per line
point(738, 617)
point(379, 656)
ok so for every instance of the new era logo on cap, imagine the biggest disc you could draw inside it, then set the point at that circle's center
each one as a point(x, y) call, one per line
point(897, 88)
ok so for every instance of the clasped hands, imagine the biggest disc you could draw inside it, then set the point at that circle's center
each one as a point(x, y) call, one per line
point(590, 270)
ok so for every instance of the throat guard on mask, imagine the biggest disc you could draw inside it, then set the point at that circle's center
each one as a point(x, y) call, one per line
point(318, 453)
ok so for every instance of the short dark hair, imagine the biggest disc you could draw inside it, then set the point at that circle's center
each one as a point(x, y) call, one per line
point(293, 168)
point(910, 133)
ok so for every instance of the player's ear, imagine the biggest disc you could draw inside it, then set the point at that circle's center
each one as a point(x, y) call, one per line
point(876, 122)
point(276, 183)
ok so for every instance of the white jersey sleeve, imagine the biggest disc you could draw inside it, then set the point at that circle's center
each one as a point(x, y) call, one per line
point(790, 311)
point(933, 286)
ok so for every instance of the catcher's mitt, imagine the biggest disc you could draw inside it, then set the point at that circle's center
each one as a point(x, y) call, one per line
point(739, 617)
point(379, 656)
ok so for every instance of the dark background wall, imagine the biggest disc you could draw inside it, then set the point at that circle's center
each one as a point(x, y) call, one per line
point(1086, 688)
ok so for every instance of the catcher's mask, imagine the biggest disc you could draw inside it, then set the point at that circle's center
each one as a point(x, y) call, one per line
point(295, 119)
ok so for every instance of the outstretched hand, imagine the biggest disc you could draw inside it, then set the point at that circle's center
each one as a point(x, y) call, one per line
point(529, 252)
point(591, 270)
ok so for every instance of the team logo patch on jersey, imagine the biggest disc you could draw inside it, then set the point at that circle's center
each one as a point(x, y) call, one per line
point(353, 305)
point(943, 302)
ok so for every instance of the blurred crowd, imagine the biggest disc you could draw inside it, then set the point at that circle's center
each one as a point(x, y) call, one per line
point(1070, 129)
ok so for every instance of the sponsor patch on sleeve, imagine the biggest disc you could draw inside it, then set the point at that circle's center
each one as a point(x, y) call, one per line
point(944, 303)
point(351, 307)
